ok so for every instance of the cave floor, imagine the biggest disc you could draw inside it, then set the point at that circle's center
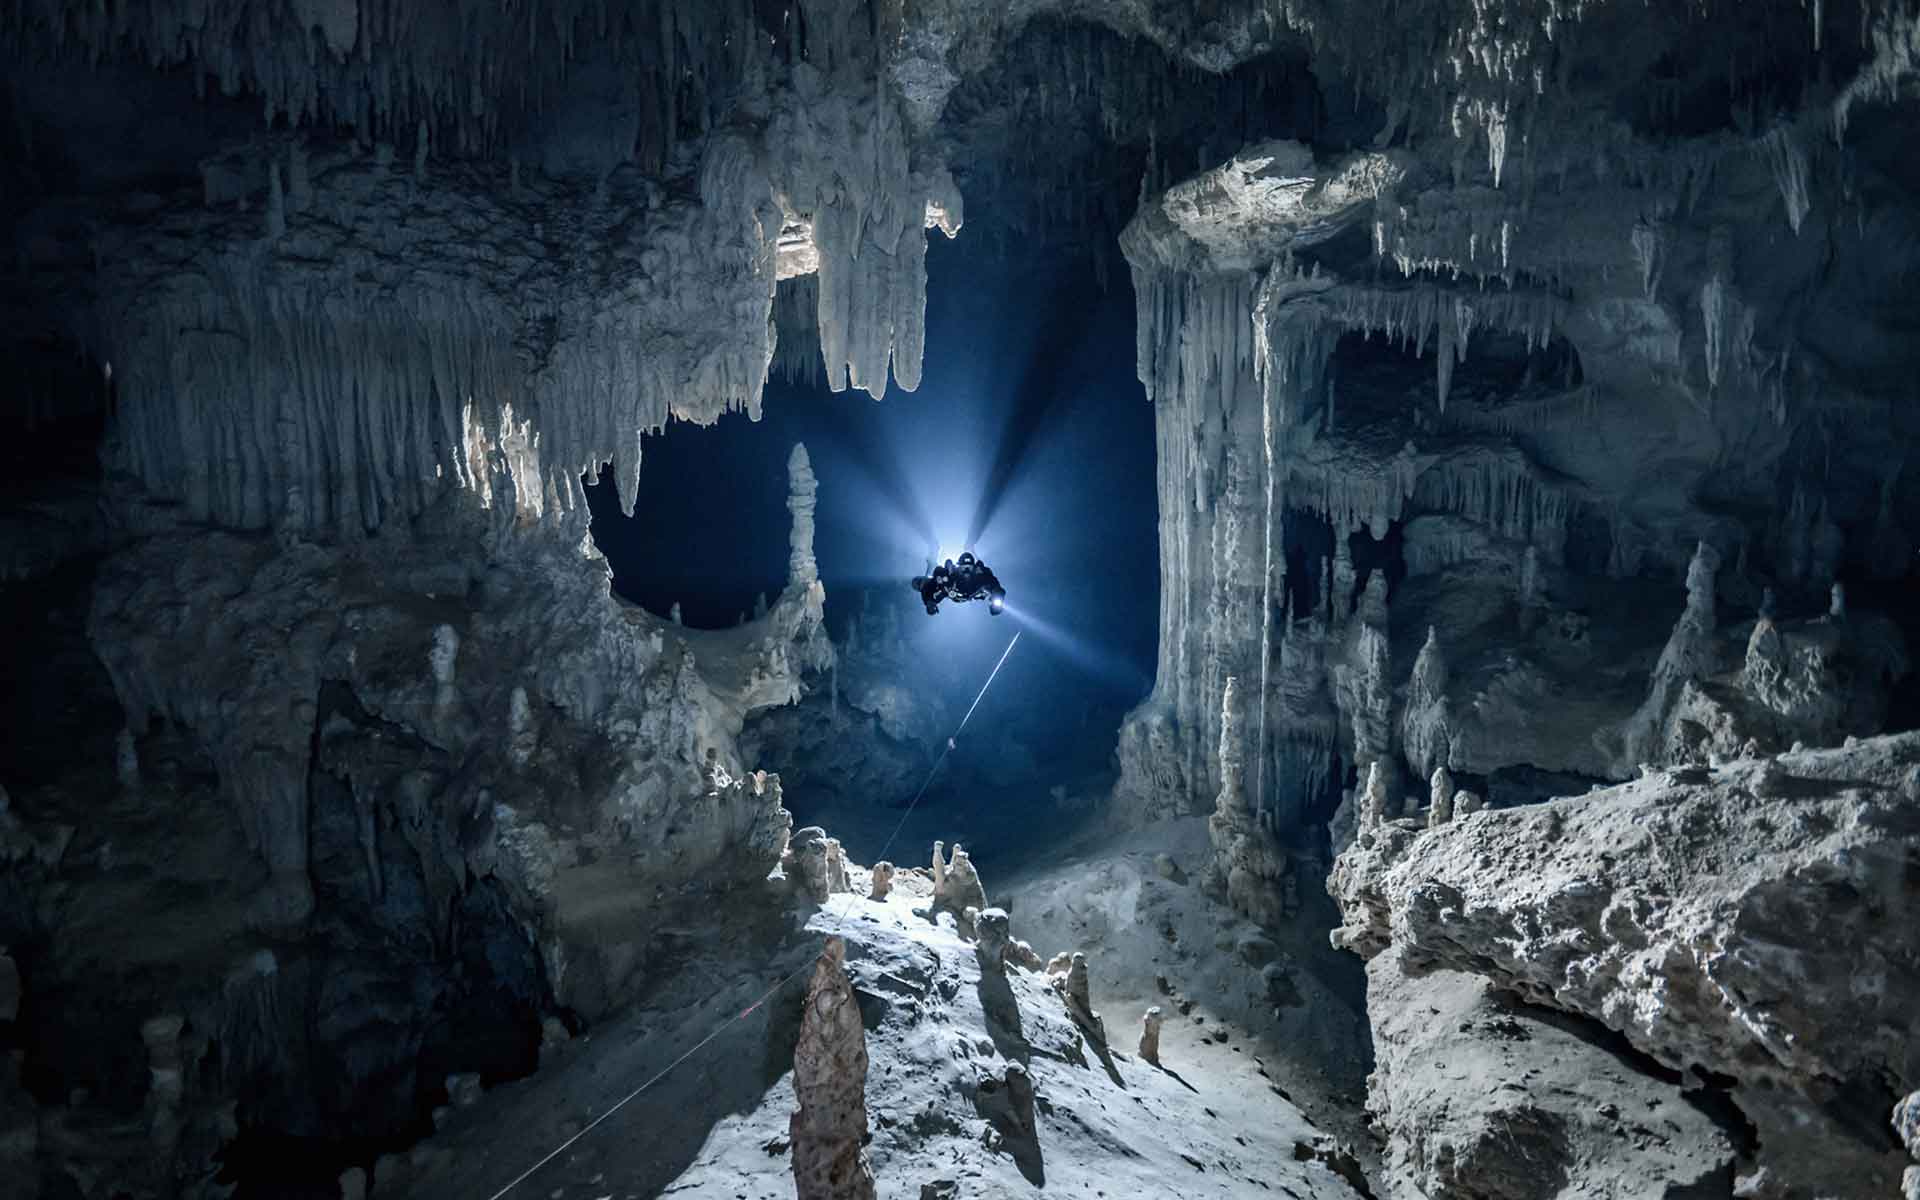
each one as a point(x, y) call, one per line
point(939, 1041)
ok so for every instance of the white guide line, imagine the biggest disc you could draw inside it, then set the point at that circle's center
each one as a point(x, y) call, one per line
point(949, 747)
point(663, 1072)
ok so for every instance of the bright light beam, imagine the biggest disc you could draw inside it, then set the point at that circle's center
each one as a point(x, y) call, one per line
point(1095, 661)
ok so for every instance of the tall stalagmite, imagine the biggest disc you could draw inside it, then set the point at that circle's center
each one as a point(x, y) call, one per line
point(830, 1083)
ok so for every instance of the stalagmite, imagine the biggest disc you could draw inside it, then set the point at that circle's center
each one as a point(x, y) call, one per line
point(837, 880)
point(992, 938)
point(801, 501)
point(957, 887)
point(805, 863)
point(1443, 793)
point(1466, 803)
point(882, 880)
point(1073, 987)
point(1374, 802)
point(830, 1084)
point(1688, 656)
point(1250, 869)
point(1150, 1036)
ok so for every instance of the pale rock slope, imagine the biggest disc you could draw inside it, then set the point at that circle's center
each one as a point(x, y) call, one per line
point(979, 1084)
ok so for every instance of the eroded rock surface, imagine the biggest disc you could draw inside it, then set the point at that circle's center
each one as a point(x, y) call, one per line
point(1483, 1095)
point(1750, 928)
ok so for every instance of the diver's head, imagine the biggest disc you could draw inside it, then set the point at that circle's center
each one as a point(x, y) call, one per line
point(966, 557)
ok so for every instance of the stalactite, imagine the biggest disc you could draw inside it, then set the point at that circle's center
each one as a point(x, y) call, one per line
point(1788, 161)
point(1501, 491)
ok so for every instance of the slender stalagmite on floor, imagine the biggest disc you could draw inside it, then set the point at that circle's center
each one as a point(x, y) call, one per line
point(1150, 1035)
point(830, 1082)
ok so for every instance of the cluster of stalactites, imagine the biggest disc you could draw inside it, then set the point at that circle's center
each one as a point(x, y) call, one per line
point(1300, 314)
point(384, 68)
point(313, 389)
point(1196, 338)
point(1490, 73)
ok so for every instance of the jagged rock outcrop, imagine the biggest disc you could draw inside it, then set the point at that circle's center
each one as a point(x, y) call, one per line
point(830, 1083)
point(1745, 927)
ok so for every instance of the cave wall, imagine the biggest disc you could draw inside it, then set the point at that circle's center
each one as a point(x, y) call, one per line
point(363, 289)
point(1617, 312)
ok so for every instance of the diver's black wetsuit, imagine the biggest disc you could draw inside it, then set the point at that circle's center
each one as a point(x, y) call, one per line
point(969, 579)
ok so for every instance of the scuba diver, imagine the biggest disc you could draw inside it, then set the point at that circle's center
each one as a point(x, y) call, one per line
point(968, 579)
